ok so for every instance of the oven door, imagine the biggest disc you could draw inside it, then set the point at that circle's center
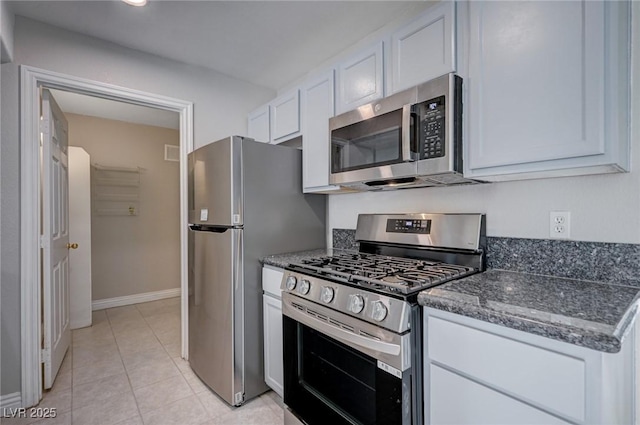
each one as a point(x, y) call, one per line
point(341, 370)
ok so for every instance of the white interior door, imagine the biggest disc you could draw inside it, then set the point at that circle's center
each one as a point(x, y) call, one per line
point(55, 237)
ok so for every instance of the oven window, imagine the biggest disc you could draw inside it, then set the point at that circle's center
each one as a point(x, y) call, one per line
point(369, 143)
point(329, 382)
point(325, 363)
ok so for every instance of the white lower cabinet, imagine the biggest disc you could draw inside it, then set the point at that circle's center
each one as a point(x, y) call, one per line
point(475, 403)
point(481, 373)
point(272, 322)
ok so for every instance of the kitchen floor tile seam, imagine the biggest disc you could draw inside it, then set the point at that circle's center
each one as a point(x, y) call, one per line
point(120, 344)
point(272, 405)
point(155, 384)
point(128, 378)
point(165, 349)
point(183, 372)
point(206, 411)
point(114, 371)
point(159, 340)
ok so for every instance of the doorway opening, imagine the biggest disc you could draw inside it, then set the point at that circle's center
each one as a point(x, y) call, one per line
point(124, 203)
point(32, 82)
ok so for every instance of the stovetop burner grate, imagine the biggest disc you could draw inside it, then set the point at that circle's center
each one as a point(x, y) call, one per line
point(383, 273)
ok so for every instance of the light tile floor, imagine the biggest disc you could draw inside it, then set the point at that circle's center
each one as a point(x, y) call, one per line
point(126, 370)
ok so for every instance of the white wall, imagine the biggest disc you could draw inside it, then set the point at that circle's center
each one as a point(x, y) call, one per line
point(132, 254)
point(9, 234)
point(604, 208)
point(6, 33)
point(221, 104)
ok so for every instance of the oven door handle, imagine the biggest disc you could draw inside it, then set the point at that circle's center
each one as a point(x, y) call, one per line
point(347, 337)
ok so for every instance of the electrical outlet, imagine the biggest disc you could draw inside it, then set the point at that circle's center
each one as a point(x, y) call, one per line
point(559, 224)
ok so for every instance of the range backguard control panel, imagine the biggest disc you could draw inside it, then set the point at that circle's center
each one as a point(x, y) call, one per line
point(395, 225)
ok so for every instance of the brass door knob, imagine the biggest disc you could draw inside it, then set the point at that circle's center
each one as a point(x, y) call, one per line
point(72, 246)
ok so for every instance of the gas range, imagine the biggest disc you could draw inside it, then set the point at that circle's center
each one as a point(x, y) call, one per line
point(400, 255)
point(352, 327)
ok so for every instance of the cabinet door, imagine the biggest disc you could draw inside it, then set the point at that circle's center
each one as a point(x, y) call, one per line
point(360, 79)
point(258, 124)
point(317, 108)
point(540, 86)
point(285, 117)
point(457, 400)
point(271, 280)
point(423, 49)
point(273, 363)
point(545, 378)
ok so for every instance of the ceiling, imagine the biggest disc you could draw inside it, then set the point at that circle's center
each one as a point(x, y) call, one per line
point(268, 43)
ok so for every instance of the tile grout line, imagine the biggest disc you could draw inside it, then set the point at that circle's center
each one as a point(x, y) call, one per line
point(194, 394)
point(135, 400)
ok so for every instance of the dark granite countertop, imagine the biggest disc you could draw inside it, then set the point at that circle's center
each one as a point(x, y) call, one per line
point(283, 260)
point(585, 313)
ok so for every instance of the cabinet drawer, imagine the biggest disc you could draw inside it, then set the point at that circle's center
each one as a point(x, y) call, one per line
point(477, 404)
point(544, 378)
point(271, 280)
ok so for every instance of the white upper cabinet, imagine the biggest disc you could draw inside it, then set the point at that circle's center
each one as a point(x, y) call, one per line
point(317, 107)
point(285, 117)
point(547, 87)
point(424, 49)
point(258, 124)
point(360, 79)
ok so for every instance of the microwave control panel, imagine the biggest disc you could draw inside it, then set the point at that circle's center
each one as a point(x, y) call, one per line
point(432, 127)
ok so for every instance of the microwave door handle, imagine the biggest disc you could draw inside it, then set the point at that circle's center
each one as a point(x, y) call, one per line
point(406, 134)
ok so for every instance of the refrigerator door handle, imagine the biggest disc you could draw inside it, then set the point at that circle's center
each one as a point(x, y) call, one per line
point(213, 229)
point(239, 315)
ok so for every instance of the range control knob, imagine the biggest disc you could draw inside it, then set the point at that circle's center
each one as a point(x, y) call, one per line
point(326, 295)
point(304, 287)
point(379, 311)
point(291, 283)
point(356, 303)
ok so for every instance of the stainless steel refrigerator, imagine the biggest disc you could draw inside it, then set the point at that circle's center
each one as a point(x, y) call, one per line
point(245, 202)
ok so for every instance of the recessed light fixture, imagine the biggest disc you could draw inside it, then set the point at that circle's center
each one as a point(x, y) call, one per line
point(136, 2)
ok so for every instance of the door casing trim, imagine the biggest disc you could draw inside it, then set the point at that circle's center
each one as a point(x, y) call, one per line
point(31, 79)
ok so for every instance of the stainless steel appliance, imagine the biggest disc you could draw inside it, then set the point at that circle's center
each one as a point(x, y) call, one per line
point(245, 202)
point(410, 139)
point(352, 325)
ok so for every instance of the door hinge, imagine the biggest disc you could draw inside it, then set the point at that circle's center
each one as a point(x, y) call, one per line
point(43, 241)
point(44, 353)
point(43, 125)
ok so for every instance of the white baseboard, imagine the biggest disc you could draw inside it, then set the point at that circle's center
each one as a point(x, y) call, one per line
point(10, 401)
point(134, 299)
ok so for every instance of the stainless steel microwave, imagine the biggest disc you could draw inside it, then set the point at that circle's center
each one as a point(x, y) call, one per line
point(410, 139)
